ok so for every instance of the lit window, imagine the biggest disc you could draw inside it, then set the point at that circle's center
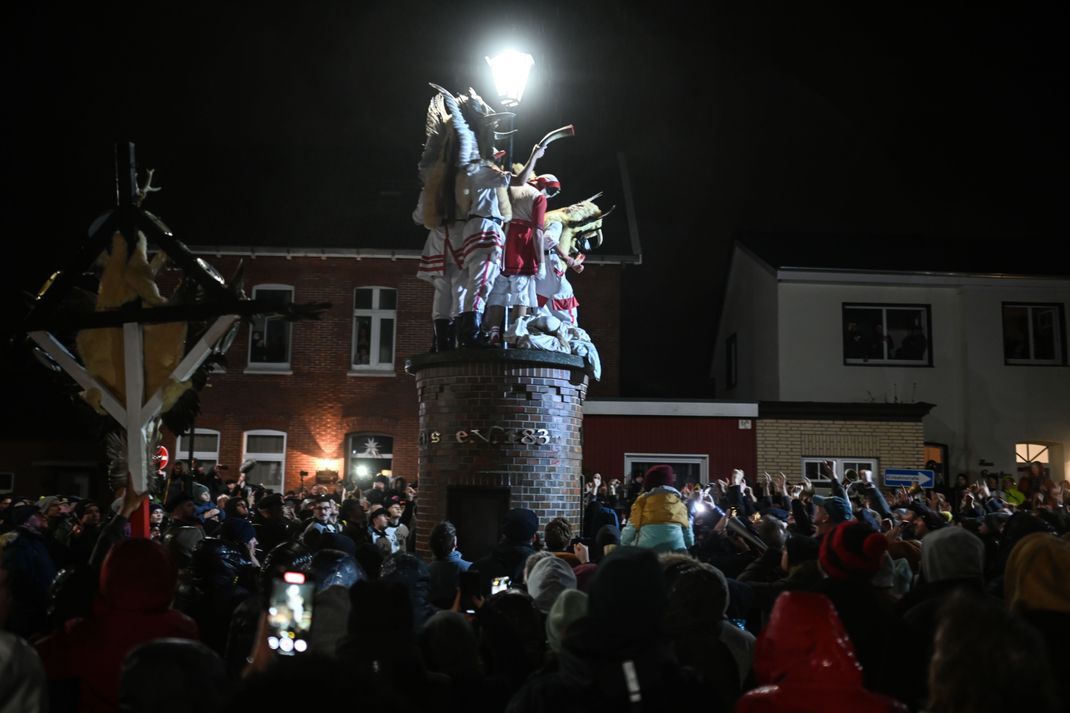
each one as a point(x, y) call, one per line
point(269, 335)
point(1033, 334)
point(1031, 453)
point(374, 324)
point(205, 444)
point(268, 449)
point(899, 335)
point(368, 455)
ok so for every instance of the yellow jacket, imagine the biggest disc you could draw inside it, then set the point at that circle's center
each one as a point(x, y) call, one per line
point(659, 507)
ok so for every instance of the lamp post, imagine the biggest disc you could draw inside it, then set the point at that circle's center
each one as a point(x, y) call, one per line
point(510, 70)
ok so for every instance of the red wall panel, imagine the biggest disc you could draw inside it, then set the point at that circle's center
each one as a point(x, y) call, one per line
point(607, 438)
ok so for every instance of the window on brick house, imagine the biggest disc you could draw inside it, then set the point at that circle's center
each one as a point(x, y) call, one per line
point(270, 335)
point(887, 334)
point(205, 444)
point(268, 449)
point(368, 455)
point(811, 467)
point(1033, 334)
point(374, 329)
point(689, 468)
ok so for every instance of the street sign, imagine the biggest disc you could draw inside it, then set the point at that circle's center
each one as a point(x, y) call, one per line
point(906, 477)
point(162, 457)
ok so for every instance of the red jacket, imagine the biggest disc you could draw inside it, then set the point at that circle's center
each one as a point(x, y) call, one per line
point(805, 663)
point(137, 584)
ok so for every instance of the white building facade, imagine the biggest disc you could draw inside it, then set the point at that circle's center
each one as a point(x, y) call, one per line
point(988, 350)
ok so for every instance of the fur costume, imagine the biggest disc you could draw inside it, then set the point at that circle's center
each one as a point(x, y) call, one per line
point(128, 277)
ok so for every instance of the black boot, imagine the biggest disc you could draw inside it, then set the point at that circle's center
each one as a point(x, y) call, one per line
point(468, 332)
point(443, 336)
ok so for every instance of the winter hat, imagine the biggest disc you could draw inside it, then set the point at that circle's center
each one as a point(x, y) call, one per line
point(658, 475)
point(199, 491)
point(851, 551)
point(237, 529)
point(802, 549)
point(269, 502)
point(520, 525)
point(952, 553)
point(838, 508)
point(569, 607)
point(995, 505)
point(1037, 577)
point(376, 513)
point(548, 578)
point(629, 580)
point(45, 503)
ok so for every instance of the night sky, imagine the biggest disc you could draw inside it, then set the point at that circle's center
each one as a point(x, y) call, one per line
point(289, 127)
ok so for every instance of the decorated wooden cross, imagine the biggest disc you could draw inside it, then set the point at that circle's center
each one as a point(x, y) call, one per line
point(130, 315)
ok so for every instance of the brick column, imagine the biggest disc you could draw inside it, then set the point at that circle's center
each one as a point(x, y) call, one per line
point(508, 419)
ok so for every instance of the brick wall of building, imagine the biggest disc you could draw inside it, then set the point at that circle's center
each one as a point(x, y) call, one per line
point(320, 402)
point(783, 443)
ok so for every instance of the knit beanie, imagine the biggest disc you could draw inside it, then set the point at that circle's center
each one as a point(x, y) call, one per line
point(952, 553)
point(659, 475)
point(569, 608)
point(852, 551)
point(629, 580)
point(548, 578)
point(520, 525)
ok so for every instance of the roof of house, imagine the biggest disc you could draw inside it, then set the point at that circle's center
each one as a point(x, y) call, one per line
point(905, 254)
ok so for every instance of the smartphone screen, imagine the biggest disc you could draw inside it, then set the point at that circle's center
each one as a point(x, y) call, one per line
point(290, 613)
point(499, 584)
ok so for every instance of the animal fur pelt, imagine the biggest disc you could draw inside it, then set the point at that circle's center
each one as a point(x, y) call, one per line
point(129, 277)
point(579, 222)
point(119, 460)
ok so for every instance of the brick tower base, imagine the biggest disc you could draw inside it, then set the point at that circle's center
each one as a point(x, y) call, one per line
point(499, 429)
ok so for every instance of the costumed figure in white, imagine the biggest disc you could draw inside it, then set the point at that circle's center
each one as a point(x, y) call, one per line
point(523, 260)
point(440, 212)
point(481, 187)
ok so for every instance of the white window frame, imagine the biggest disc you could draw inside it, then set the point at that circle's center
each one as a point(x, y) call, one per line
point(702, 459)
point(374, 367)
point(201, 456)
point(926, 309)
point(841, 464)
point(1060, 357)
point(267, 457)
point(273, 367)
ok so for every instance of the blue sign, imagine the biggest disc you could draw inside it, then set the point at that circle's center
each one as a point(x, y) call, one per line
point(906, 477)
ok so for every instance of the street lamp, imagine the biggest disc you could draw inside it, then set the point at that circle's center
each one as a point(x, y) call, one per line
point(510, 69)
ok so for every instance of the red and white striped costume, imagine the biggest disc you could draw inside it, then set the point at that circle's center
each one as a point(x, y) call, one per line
point(480, 254)
point(554, 291)
point(521, 259)
point(439, 265)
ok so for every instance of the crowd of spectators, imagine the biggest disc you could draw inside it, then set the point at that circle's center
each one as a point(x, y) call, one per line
point(768, 595)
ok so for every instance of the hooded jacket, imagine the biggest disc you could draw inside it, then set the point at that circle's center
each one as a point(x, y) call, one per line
point(137, 582)
point(804, 662)
point(659, 521)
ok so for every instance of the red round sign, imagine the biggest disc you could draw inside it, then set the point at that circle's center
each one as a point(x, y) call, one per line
point(162, 456)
